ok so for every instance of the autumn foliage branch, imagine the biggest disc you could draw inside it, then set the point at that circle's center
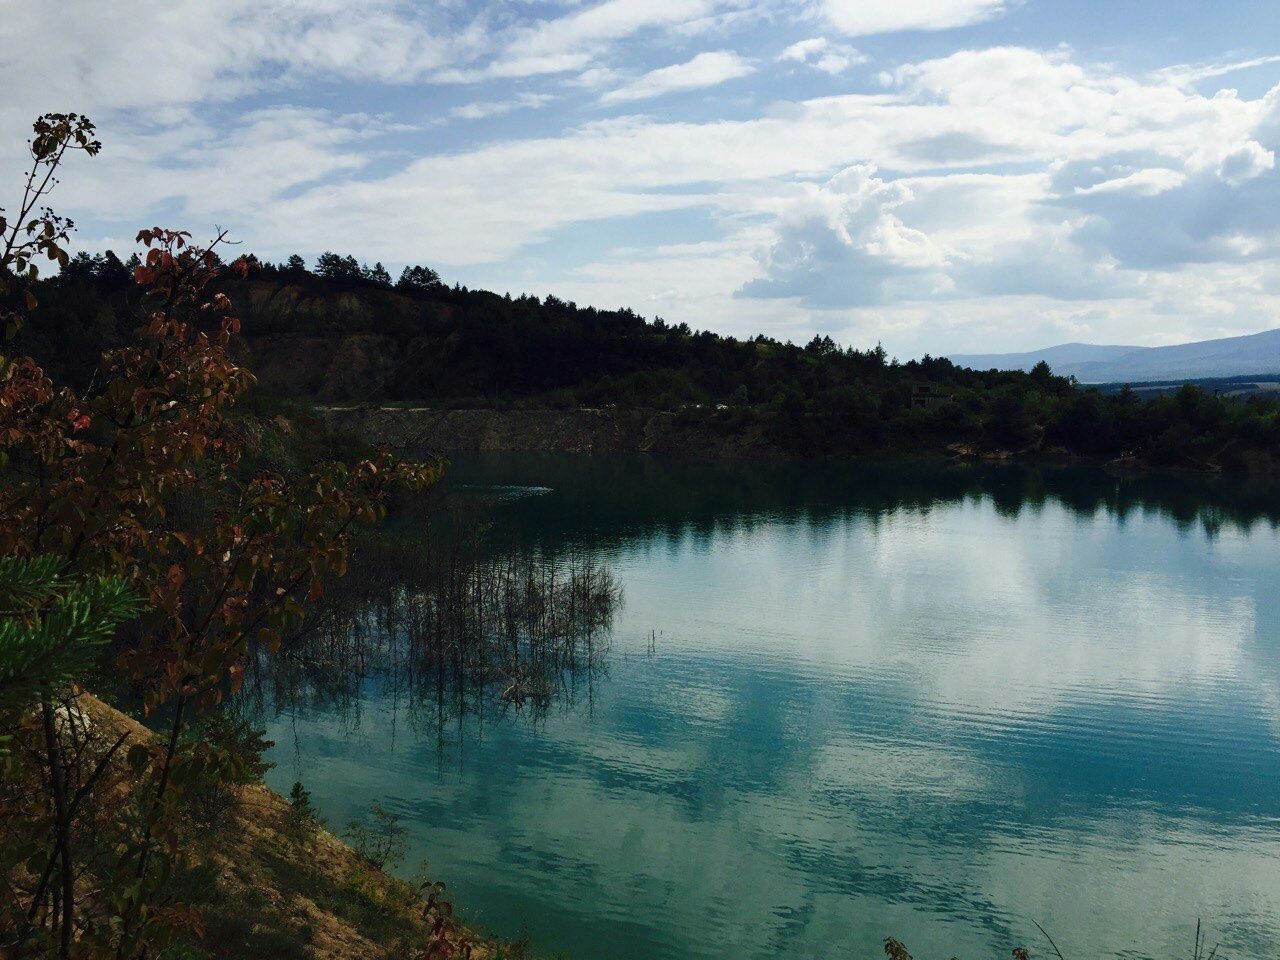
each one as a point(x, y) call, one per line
point(140, 478)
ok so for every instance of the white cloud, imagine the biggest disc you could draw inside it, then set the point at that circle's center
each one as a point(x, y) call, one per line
point(516, 67)
point(1246, 162)
point(822, 54)
point(234, 178)
point(483, 109)
point(1187, 75)
point(842, 243)
point(705, 70)
point(1148, 183)
point(580, 40)
point(596, 77)
point(864, 17)
point(1139, 176)
point(182, 51)
point(609, 21)
point(1081, 131)
point(802, 50)
point(574, 42)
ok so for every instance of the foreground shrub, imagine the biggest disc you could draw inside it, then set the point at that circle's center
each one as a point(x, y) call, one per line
point(123, 505)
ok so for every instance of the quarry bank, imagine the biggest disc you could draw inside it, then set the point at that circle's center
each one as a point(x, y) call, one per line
point(701, 433)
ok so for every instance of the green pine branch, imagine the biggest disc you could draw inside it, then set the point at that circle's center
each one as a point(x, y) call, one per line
point(52, 627)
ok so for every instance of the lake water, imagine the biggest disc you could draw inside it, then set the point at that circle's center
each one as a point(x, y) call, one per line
point(844, 702)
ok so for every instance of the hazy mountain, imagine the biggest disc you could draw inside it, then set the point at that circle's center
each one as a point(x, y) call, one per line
point(1231, 356)
point(1064, 353)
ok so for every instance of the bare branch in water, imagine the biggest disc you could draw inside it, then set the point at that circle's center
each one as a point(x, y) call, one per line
point(452, 627)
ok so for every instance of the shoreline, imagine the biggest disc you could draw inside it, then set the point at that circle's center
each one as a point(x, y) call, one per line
point(421, 429)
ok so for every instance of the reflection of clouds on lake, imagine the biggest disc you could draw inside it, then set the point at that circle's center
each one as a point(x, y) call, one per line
point(973, 610)
point(582, 833)
point(853, 766)
point(939, 724)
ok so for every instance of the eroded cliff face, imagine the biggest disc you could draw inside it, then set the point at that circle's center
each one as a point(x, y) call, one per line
point(421, 430)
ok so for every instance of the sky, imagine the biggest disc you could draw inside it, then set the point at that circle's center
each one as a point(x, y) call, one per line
point(938, 176)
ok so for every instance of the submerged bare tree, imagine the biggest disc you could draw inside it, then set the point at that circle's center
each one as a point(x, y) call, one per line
point(450, 626)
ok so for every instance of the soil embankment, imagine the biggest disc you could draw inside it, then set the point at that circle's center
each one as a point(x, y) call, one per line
point(276, 893)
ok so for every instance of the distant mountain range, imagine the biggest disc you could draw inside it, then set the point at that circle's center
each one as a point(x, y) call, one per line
point(1257, 353)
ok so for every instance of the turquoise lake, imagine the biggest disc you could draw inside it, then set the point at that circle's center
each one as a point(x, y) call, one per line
point(841, 702)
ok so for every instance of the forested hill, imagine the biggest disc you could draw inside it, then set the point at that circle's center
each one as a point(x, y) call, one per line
point(345, 333)
point(348, 333)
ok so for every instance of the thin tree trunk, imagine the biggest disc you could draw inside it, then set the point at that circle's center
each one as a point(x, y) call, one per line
point(62, 829)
